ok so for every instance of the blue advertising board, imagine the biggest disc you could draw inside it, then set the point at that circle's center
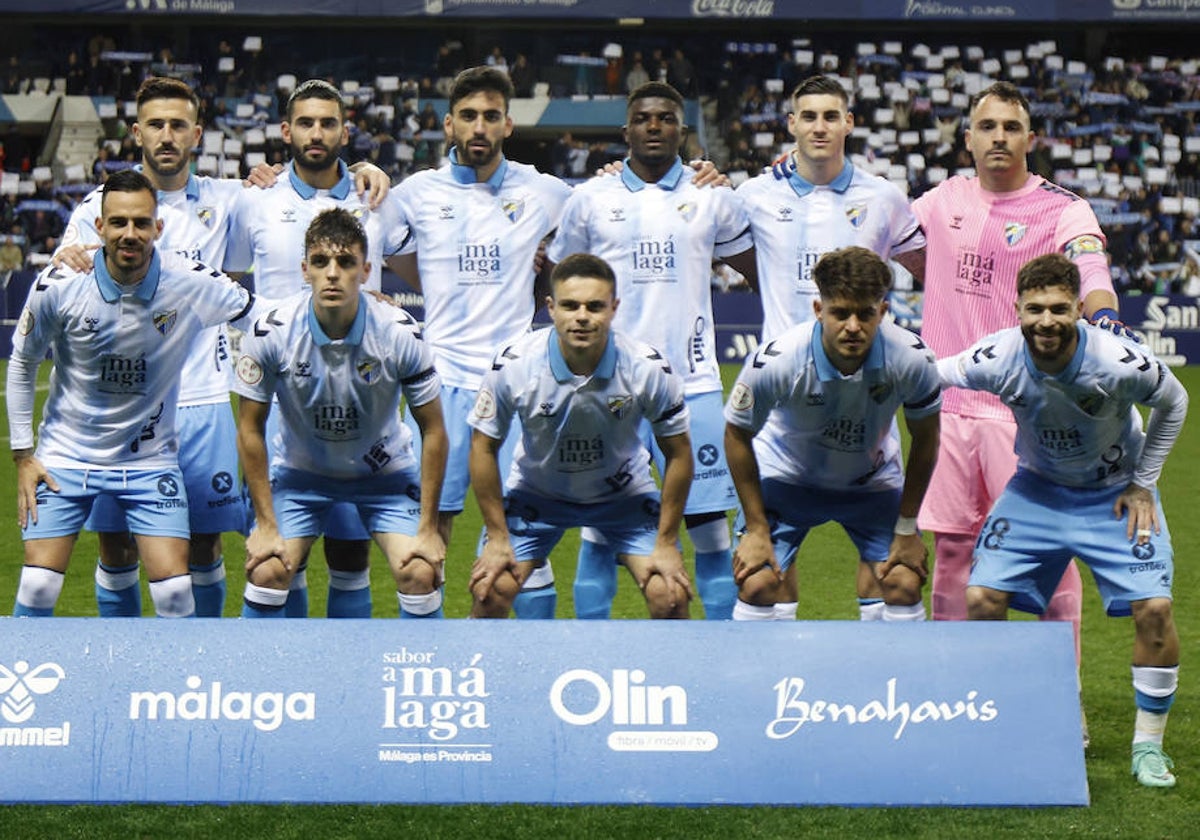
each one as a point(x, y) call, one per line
point(848, 713)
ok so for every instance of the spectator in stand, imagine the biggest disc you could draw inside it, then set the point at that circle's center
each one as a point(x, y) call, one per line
point(637, 75)
point(523, 76)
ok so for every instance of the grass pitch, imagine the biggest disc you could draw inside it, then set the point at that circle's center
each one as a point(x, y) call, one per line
point(1120, 808)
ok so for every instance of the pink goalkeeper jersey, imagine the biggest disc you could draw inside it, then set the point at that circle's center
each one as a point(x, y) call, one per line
point(976, 242)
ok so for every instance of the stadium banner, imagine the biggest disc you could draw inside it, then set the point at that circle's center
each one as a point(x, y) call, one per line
point(718, 11)
point(786, 713)
point(1168, 324)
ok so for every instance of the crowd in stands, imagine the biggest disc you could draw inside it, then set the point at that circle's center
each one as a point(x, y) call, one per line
point(1120, 130)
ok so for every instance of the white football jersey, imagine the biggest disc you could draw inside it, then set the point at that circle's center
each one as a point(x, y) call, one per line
point(816, 427)
point(269, 227)
point(338, 400)
point(475, 245)
point(579, 435)
point(660, 240)
point(118, 353)
point(795, 222)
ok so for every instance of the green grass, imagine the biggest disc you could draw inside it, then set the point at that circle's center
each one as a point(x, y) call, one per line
point(1120, 808)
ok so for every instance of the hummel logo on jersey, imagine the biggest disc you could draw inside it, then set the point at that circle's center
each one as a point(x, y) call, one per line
point(514, 208)
point(20, 684)
point(956, 222)
point(687, 210)
point(288, 216)
point(91, 324)
point(206, 215)
point(546, 409)
point(445, 212)
point(815, 398)
point(164, 322)
point(784, 214)
point(303, 369)
point(506, 354)
point(1130, 356)
point(1014, 232)
point(856, 215)
point(982, 353)
point(616, 214)
point(272, 321)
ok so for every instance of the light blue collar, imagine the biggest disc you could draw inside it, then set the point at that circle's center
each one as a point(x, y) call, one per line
point(464, 174)
point(839, 184)
point(668, 182)
point(354, 337)
point(1068, 373)
point(563, 374)
point(111, 290)
point(826, 372)
point(191, 189)
point(339, 190)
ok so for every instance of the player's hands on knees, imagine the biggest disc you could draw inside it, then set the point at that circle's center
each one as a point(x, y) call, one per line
point(263, 175)
point(909, 551)
point(31, 474)
point(667, 563)
point(75, 257)
point(263, 544)
point(428, 546)
point(754, 551)
point(1138, 502)
point(496, 558)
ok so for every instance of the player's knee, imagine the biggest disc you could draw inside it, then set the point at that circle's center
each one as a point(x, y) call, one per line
point(761, 589)
point(495, 601)
point(665, 599)
point(39, 588)
point(173, 597)
point(902, 586)
point(416, 577)
point(1153, 620)
point(270, 574)
point(984, 604)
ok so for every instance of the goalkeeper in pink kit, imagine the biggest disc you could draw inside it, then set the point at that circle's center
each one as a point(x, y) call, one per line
point(980, 231)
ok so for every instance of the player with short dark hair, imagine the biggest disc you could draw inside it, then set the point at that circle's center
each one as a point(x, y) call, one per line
point(810, 435)
point(477, 226)
point(661, 231)
point(1085, 484)
point(581, 393)
point(120, 335)
point(338, 362)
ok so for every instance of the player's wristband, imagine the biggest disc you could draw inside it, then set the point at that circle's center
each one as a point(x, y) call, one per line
point(906, 526)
